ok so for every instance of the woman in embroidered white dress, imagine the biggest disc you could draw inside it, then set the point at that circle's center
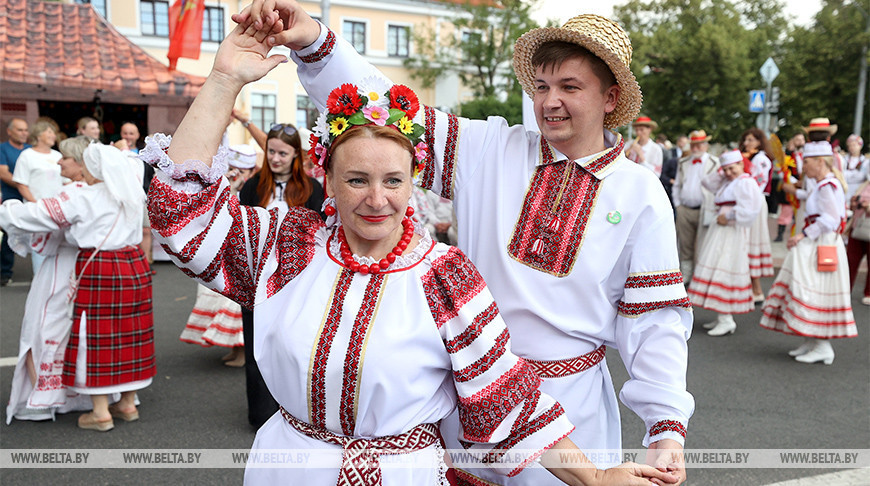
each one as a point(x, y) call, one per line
point(721, 281)
point(37, 391)
point(756, 147)
point(805, 301)
point(368, 333)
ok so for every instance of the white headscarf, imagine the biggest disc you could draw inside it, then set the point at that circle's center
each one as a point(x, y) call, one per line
point(111, 166)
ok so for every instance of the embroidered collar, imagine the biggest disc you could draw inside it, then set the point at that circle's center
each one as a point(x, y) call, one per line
point(600, 164)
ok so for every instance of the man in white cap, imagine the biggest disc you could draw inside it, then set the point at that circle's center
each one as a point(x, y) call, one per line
point(693, 202)
point(576, 242)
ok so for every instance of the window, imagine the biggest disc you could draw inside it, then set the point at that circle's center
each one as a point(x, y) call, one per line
point(155, 17)
point(355, 33)
point(471, 42)
point(397, 41)
point(213, 24)
point(306, 112)
point(263, 110)
point(99, 5)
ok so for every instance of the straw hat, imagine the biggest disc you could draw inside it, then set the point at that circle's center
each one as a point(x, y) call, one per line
point(821, 125)
point(645, 121)
point(603, 38)
point(699, 136)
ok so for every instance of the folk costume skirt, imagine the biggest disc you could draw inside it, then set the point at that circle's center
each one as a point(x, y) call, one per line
point(111, 346)
point(760, 258)
point(214, 321)
point(809, 303)
point(721, 280)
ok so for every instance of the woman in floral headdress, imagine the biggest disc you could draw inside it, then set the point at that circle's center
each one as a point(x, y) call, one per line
point(368, 333)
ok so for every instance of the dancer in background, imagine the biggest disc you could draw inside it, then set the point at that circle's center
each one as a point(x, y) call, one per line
point(808, 299)
point(721, 282)
point(756, 147)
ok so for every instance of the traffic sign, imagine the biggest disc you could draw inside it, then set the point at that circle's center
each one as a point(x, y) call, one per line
point(769, 70)
point(756, 100)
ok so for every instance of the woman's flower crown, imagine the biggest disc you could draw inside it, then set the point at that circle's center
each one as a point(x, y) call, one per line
point(373, 102)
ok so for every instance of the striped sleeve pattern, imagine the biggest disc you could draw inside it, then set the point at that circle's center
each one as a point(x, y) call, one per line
point(501, 409)
point(228, 247)
point(441, 136)
point(651, 291)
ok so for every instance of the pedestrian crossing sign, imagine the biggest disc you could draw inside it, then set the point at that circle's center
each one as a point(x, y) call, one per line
point(756, 100)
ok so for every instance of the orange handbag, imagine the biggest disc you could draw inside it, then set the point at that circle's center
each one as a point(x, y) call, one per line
point(827, 258)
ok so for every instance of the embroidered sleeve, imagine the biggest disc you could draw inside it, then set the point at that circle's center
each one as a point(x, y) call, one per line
point(653, 325)
point(501, 409)
point(45, 215)
point(228, 247)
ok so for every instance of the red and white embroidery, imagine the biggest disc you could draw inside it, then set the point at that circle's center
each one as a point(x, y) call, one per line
point(527, 429)
point(353, 356)
point(639, 308)
point(55, 212)
point(317, 375)
point(486, 361)
point(473, 330)
point(322, 51)
point(533, 244)
point(483, 412)
point(450, 283)
point(568, 366)
point(449, 156)
point(653, 280)
point(427, 179)
point(666, 426)
point(295, 246)
point(171, 210)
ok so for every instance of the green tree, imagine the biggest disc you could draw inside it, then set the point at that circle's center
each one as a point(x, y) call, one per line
point(696, 60)
point(820, 73)
point(480, 50)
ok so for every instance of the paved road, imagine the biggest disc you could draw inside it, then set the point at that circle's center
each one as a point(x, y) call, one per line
point(749, 393)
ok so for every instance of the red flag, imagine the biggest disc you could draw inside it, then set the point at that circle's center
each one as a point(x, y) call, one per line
point(185, 30)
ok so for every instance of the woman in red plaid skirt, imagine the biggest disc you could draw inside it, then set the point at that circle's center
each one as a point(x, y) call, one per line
point(111, 345)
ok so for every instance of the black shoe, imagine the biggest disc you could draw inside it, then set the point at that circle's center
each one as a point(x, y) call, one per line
point(4, 281)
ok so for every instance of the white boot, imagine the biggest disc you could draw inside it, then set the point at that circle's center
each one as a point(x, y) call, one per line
point(726, 325)
point(804, 348)
point(712, 324)
point(821, 351)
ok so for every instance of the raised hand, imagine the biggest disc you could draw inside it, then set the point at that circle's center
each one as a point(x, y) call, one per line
point(243, 55)
point(297, 29)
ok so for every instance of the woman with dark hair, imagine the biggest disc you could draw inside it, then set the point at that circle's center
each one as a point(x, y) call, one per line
point(756, 148)
point(281, 183)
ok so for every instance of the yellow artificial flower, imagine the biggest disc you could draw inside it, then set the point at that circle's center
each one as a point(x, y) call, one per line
point(338, 126)
point(405, 125)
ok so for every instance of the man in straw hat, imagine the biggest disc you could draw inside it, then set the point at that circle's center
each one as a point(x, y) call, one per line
point(643, 149)
point(821, 130)
point(693, 201)
point(577, 241)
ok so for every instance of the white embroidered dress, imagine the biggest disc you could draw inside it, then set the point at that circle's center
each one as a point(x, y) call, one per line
point(606, 272)
point(760, 256)
point(721, 282)
point(804, 301)
point(358, 355)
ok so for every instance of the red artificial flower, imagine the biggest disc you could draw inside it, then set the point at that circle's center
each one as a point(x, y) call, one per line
point(403, 98)
point(344, 99)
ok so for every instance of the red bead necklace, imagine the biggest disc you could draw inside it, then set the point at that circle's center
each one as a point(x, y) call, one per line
point(354, 266)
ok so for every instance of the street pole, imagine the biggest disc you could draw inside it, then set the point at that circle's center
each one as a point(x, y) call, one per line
point(324, 12)
point(862, 80)
point(765, 115)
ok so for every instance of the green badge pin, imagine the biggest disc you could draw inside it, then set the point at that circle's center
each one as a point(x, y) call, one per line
point(614, 217)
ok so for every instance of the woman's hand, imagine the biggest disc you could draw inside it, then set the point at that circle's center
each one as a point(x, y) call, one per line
point(297, 29)
point(794, 240)
point(789, 188)
point(722, 220)
point(242, 56)
point(631, 474)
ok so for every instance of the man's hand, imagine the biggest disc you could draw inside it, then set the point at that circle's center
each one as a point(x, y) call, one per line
point(666, 455)
point(297, 30)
